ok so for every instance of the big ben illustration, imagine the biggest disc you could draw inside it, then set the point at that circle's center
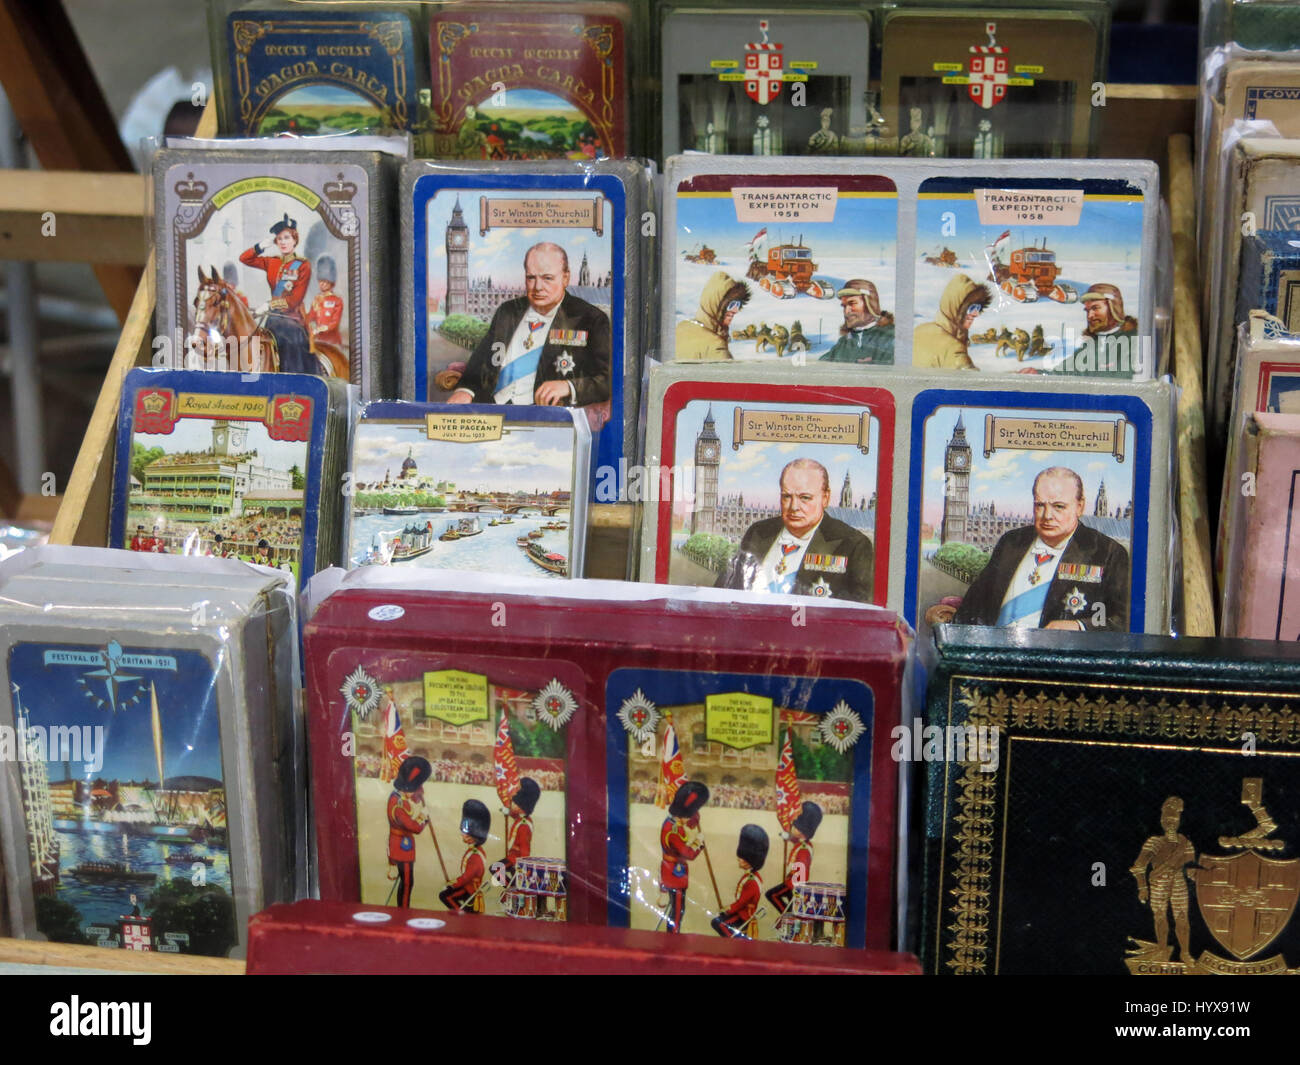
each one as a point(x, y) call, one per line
point(956, 486)
point(708, 450)
point(457, 262)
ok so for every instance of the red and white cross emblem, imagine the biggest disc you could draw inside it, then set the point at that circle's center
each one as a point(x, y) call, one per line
point(763, 68)
point(989, 71)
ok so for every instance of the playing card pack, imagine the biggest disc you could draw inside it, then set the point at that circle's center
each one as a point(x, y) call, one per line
point(456, 486)
point(903, 489)
point(628, 709)
point(231, 466)
point(152, 800)
point(928, 265)
point(477, 329)
point(273, 260)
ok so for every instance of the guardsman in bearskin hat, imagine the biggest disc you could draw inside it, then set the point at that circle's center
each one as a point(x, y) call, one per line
point(289, 276)
point(519, 828)
point(230, 275)
point(406, 820)
point(519, 831)
point(738, 919)
point(681, 840)
point(464, 893)
point(327, 308)
point(798, 863)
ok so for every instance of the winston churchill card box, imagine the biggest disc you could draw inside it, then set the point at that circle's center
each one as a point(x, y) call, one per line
point(1134, 807)
point(602, 753)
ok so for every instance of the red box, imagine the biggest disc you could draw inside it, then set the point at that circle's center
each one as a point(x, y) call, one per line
point(588, 642)
point(325, 938)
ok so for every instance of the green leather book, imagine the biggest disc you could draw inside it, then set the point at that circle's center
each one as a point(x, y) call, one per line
point(1109, 804)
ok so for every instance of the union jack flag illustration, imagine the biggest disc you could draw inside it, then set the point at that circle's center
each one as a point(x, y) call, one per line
point(503, 758)
point(395, 752)
point(787, 786)
point(672, 770)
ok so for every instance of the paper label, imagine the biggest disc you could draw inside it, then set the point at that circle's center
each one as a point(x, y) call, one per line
point(1034, 434)
point(464, 428)
point(1010, 207)
point(815, 204)
point(738, 720)
point(455, 697)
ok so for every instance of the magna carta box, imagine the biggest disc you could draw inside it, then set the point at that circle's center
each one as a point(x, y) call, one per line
point(1111, 804)
point(472, 737)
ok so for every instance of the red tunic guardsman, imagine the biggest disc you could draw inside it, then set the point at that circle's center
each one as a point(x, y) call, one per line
point(465, 892)
point(681, 841)
point(406, 820)
point(738, 919)
point(327, 308)
point(798, 863)
point(519, 826)
point(141, 541)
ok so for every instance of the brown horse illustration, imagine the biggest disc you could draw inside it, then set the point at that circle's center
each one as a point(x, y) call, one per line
point(221, 315)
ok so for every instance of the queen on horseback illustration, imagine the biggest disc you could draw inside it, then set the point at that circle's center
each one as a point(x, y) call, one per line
point(289, 276)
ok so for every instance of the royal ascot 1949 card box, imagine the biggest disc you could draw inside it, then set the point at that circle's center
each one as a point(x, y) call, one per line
point(231, 466)
point(1111, 804)
point(607, 753)
point(524, 285)
point(275, 260)
point(152, 802)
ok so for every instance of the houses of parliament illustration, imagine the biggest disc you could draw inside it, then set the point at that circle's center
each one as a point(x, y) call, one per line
point(729, 515)
point(480, 297)
point(981, 525)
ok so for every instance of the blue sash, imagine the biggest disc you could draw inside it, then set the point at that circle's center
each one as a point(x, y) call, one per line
point(523, 366)
point(1024, 604)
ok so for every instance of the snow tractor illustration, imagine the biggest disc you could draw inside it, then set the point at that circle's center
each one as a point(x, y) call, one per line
point(1031, 276)
point(704, 254)
point(789, 270)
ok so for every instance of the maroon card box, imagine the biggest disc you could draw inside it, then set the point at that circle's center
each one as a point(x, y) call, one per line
point(581, 637)
point(327, 938)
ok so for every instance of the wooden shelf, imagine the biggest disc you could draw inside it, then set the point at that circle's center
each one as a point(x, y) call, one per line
point(66, 216)
point(28, 952)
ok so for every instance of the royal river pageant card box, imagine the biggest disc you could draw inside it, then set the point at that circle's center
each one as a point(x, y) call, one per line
point(780, 706)
point(152, 801)
point(1133, 805)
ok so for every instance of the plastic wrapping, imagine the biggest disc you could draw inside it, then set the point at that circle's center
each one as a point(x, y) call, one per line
point(735, 79)
point(473, 684)
point(154, 797)
point(295, 66)
point(275, 256)
point(231, 466)
point(465, 292)
point(915, 484)
point(997, 265)
point(335, 937)
point(489, 489)
point(536, 81)
point(995, 81)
